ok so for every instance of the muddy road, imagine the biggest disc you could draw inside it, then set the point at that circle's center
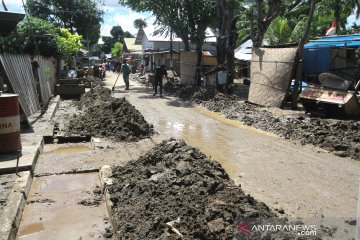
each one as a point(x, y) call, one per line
point(306, 182)
point(295, 180)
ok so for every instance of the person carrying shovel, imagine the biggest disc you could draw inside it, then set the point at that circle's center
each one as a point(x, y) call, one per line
point(126, 69)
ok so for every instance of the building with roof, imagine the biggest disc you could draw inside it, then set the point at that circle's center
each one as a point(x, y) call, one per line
point(130, 46)
point(152, 43)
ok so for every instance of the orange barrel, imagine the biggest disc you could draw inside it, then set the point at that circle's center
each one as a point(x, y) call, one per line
point(9, 123)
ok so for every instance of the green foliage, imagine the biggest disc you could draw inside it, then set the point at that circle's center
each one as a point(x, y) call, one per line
point(187, 19)
point(289, 27)
point(81, 16)
point(117, 50)
point(37, 36)
point(67, 43)
point(32, 36)
point(278, 32)
point(140, 23)
point(117, 35)
point(108, 44)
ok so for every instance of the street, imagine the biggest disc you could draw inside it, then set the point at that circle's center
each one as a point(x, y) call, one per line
point(304, 181)
point(299, 182)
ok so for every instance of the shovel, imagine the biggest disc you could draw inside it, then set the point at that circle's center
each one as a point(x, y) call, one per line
point(113, 88)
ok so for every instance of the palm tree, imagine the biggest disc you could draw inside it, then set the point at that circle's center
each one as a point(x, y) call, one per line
point(140, 23)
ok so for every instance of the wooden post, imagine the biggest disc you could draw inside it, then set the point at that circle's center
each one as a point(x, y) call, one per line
point(17, 161)
point(358, 216)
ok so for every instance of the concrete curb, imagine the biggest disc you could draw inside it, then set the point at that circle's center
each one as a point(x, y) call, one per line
point(11, 217)
point(105, 173)
point(53, 106)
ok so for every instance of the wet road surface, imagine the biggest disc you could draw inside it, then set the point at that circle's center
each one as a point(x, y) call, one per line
point(305, 181)
point(63, 207)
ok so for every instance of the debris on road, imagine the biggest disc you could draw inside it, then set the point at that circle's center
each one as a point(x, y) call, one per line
point(105, 116)
point(175, 192)
point(342, 137)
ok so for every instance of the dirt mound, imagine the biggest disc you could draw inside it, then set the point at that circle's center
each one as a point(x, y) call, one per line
point(105, 116)
point(342, 137)
point(175, 189)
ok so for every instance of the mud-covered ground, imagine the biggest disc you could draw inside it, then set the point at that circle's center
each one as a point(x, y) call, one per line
point(342, 137)
point(175, 192)
point(105, 116)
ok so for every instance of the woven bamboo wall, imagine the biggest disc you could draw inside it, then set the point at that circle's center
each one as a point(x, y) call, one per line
point(271, 70)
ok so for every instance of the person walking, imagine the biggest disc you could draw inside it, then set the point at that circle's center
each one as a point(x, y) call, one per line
point(126, 69)
point(160, 72)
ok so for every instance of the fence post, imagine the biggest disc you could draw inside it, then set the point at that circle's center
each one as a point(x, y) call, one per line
point(358, 216)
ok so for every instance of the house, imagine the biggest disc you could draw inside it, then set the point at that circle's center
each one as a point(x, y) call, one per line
point(151, 44)
point(130, 46)
point(243, 55)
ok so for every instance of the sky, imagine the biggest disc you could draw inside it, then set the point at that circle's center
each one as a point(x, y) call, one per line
point(114, 15)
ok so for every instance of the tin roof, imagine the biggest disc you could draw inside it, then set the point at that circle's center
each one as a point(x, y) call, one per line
point(149, 33)
point(335, 41)
point(244, 51)
point(8, 22)
point(131, 46)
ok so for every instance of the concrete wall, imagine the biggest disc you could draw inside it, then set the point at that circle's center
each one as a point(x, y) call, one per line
point(146, 44)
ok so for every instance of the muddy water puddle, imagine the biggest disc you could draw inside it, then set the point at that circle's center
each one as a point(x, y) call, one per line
point(216, 136)
point(64, 207)
point(66, 149)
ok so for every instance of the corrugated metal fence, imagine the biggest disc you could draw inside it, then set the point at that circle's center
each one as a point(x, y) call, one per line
point(47, 77)
point(18, 69)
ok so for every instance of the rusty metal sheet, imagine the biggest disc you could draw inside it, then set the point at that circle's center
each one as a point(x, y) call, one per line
point(271, 70)
point(326, 95)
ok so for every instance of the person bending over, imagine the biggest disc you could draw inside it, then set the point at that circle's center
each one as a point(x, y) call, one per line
point(160, 72)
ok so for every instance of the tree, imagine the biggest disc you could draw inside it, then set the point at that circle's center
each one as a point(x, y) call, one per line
point(32, 36)
point(117, 35)
point(67, 43)
point(140, 23)
point(260, 17)
point(290, 25)
point(225, 43)
point(301, 55)
point(117, 50)
point(36, 36)
point(279, 31)
point(187, 19)
point(81, 16)
point(108, 44)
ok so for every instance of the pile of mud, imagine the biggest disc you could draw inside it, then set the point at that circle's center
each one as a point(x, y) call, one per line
point(175, 192)
point(342, 137)
point(105, 116)
point(91, 81)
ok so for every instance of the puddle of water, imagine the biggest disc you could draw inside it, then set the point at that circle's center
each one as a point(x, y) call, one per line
point(69, 149)
point(234, 123)
point(216, 136)
point(32, 228)
point(63, 217)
